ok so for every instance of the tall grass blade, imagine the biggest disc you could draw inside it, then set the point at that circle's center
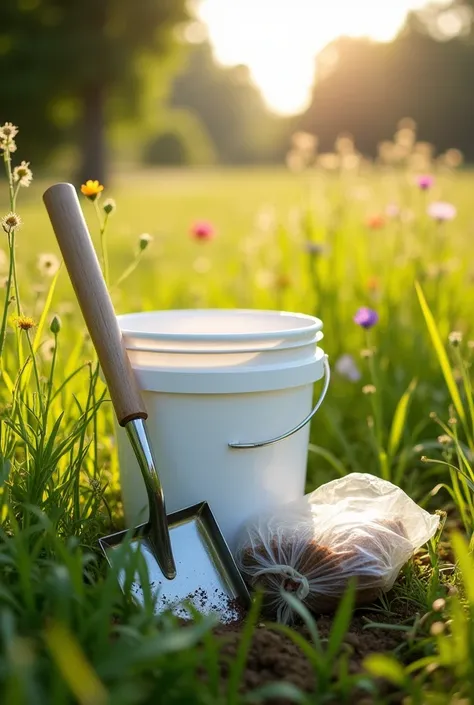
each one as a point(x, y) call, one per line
point(442, 357)
point(399, 419)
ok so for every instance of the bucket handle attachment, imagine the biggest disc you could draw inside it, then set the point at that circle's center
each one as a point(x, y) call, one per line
point(261, 444)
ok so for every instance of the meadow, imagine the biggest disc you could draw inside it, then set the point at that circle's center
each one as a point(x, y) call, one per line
point(400, 405)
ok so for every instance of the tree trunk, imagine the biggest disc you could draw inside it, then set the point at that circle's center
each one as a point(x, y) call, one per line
point(93, 141)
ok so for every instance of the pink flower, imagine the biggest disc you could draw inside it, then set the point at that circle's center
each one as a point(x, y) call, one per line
point(425, 181)
point(441, 211)
point(202, 230)
point(392, 210)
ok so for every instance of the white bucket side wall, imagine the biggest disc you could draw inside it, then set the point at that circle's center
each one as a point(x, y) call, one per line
point(190, 435)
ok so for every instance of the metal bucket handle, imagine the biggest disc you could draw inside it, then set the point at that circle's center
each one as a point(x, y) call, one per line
point(261, 444)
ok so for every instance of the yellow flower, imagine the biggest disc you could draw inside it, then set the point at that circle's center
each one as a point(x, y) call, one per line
point(91, 189)
point(24, 322)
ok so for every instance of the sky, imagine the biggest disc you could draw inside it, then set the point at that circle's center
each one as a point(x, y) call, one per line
point(279, 39)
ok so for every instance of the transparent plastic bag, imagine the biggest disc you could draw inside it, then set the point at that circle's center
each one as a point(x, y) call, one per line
point(358, 526)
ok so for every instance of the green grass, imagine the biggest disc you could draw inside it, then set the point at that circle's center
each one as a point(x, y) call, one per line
point(67, 634)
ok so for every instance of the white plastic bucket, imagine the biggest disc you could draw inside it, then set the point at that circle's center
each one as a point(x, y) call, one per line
point(229, 396)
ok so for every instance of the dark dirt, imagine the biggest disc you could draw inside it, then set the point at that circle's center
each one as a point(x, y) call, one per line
point(275, 657)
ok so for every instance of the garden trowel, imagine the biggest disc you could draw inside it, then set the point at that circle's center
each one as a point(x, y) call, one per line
point(186, 555)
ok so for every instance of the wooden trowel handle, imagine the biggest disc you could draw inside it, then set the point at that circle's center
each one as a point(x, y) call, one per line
point(81, 261)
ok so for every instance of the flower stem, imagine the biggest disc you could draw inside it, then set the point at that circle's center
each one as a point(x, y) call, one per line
point(6, 306)
point(103, 240)
point(12, 275)
point(128, 271)
point(35, 370)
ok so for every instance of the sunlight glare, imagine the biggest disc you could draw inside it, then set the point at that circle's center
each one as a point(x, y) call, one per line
point(279, 39)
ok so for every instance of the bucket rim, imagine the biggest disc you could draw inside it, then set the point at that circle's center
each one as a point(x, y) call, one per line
point(314, 325)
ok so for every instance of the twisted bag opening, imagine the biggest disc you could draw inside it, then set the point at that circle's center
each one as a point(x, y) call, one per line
point(295, 579)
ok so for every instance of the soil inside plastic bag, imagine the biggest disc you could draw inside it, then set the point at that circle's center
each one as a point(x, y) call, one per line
point(359, 528)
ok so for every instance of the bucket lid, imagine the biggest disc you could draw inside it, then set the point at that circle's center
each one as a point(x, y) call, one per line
point(214, 330)
point(223, 351)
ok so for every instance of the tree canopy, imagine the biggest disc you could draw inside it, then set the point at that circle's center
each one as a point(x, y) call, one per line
point(65, 62)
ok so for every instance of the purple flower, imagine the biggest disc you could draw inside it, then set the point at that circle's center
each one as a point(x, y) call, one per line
point(425, 181)
point(314, 248)
point(346, 367)
point(366, 317)
point(441, 211)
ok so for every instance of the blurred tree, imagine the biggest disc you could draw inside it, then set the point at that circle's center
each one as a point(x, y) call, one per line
point(178, 138)
point(68, 64)
point(365, 87)
point(231, 109)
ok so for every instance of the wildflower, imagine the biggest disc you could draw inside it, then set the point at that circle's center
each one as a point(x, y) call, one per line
point(304, 141)
point(367, 353)
point(92, 189)
point(350, 162)
point(24, 322)
point(453, 158)
point(265, 279)
point(366, 317)
point(424, 149)
point(265, 220)
point(373, 284)
point(346, 367)
point(392, 210)
point(202, 230)
point(405, 137)
point(441, 211)
point(8, 146)
point(455, 338)
point(10, 222)
point(314, 248)
point(369, 389)
point(385, 151)
point(282, 281)
point(444, 439)
point(48, 348)
point(202, 265)
point(295, 161)
point(55, 326)
point(109, 206)
point(8, 131)
point(48, 265)
point(22, 174)
point(375, 221)
point(344, 144)
point(406, 123)
point(437, 628)
point(144, 240)
point(329, 161)
point(438, 605)
point(425, 181)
